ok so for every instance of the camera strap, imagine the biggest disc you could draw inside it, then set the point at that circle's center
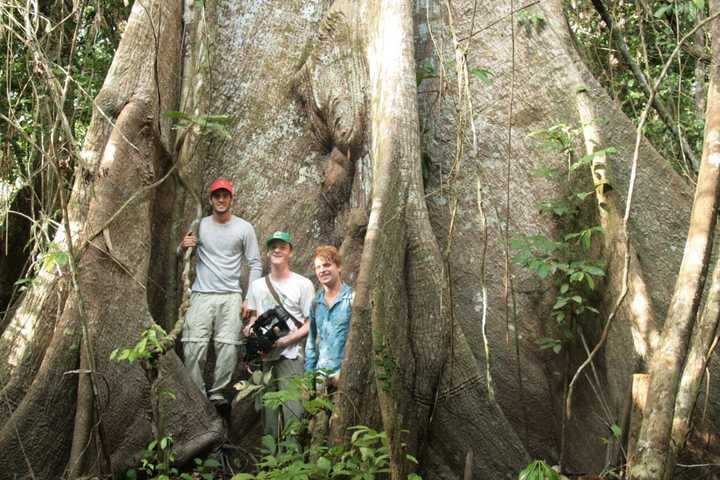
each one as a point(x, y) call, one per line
point(275, 295)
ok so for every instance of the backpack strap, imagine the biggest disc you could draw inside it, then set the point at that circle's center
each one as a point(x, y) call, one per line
point(275, 295)
point(313, 317)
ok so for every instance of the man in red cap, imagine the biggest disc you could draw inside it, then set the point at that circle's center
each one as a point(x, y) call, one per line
point(216, 303)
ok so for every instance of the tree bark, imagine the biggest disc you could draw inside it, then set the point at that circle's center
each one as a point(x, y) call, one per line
point(639, 401)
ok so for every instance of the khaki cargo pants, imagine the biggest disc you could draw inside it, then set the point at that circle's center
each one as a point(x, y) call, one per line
point(212, 315)
point(276, 420)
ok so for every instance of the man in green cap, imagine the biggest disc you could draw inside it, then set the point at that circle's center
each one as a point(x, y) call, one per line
point(295, 293)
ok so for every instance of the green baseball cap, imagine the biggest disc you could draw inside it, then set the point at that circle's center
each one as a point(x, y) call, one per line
point(284, 236)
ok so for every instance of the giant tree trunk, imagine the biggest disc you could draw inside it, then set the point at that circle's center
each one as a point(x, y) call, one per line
point(126, 150)
point(551, 86)
point(329, 131)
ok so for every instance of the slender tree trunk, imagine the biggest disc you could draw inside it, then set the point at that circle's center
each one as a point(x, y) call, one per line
point(704, 333)
point(704, 337)
point(653, 447)
point(700, 68)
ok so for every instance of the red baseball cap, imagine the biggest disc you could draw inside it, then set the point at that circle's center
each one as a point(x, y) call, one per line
point(220, 184)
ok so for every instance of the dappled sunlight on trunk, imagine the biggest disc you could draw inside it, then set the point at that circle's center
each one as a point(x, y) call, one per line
point(617, 246)
point(109, 154)
point(645, 336)
point(23, 326)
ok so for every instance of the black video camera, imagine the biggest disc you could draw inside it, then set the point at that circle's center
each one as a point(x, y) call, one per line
point(268, 327)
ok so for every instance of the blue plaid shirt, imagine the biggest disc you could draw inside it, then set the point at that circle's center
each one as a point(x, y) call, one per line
point(329, 327)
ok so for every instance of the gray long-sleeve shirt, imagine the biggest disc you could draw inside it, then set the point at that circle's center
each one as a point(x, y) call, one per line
point(220, 250)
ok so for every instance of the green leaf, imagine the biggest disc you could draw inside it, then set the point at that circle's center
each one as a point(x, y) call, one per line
point(660, 12)
point(212, 463)
point(616, 430)
point(141, 347)
point(366, 452)
point(585, 241)
point(522, 258)
point(246, 389)
point(61, 258)
point(552, 344)
point(324, 464)
point(268, 443)
point(594, 270)
point(530, 473)
point(356, 434)
point(539, 470)
point(153, 338)
point(564, 288)
point(221, 120)
point(425, 70)
point(176, 114)
point(547, 172)
point(544, 270)
point(482, 74)
point(607, 151)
